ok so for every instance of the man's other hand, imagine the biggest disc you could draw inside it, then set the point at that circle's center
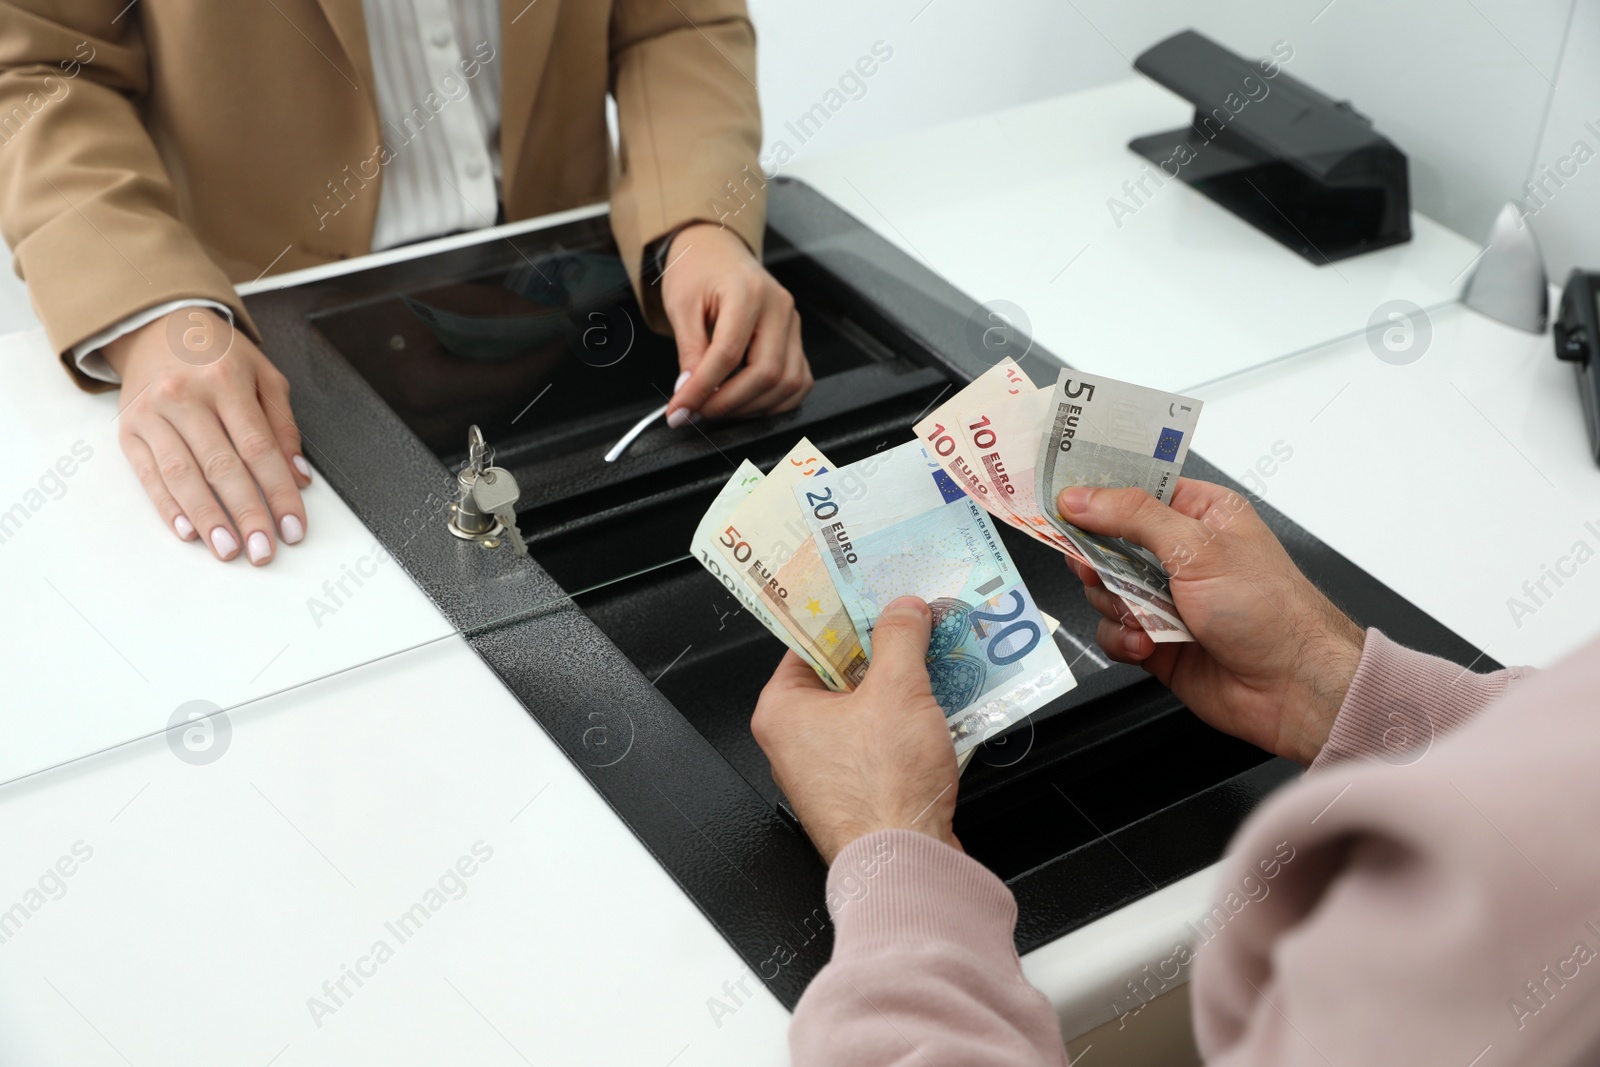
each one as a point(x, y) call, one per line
point(878, 758)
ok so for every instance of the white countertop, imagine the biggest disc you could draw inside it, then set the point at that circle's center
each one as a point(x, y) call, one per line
point(1014, 206)
point(220, 897)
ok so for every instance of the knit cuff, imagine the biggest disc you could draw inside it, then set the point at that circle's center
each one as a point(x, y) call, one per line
point(898, 888)
point(1401, 700)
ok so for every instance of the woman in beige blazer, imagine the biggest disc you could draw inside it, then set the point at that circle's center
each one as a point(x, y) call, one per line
point(164, 150)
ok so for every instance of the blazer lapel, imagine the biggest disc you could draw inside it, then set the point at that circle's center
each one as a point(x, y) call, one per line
point(526, 32)
point(349, 24)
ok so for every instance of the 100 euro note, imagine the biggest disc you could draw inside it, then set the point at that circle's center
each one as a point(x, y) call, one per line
point(768, 545)
point(704, 548)
point(897, 524)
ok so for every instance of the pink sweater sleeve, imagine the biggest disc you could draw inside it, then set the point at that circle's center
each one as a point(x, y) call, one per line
point(1424, 907)
point(1401, 701)
point(923, 969)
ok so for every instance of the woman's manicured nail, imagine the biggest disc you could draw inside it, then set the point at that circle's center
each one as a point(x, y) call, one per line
point(292, 529)
point(302, 466)
point(183, 527)
point(260, 548)
point(223, 542)
point(1075, 498)
point(680, 418)
point(681, 379)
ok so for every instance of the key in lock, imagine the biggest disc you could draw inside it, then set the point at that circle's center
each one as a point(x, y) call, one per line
point(486, 497)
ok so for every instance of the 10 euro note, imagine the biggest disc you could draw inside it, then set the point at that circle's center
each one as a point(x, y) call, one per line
point(897, 524)
point(1004, 434)
point(941, 435)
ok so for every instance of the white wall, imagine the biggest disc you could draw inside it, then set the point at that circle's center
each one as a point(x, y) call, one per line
point(1461, 87)
point(1564, 205)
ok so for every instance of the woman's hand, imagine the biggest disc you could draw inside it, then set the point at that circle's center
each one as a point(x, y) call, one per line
point(738, 334)
point(878, 758)
point(1272, 657)
point(206, 425)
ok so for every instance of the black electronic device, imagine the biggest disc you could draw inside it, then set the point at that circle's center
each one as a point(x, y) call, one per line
point(1307, 170)
point(1577, 337)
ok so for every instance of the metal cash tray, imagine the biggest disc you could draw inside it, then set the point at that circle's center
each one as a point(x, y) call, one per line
point(648, 671)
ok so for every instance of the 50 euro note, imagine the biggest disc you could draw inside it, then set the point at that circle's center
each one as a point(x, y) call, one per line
point(704, 547)
point(767, 544)
point(897, 524)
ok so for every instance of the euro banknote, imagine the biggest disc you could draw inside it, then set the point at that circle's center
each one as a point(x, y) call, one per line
point(767, 542)
point(705, 548)
point(1005, 435)
point(1103, 432)
point(898, 524)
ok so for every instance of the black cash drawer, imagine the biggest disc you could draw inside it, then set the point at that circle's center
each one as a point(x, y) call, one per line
point(646, 671)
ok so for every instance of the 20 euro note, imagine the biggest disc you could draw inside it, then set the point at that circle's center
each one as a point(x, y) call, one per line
point(897, 524)
point(705, 549)
point(768, 545)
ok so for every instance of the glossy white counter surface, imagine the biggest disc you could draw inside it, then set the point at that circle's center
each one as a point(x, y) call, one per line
point(1017, 206)
point(216, 900)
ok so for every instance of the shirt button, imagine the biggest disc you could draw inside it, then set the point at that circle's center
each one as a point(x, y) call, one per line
point(474, 169)
point(441, 38)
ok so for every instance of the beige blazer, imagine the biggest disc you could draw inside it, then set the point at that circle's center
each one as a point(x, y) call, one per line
point(170, 148)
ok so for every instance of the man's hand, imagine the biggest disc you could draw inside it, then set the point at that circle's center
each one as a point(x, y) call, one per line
point(205, 418)
point(879, 758)
point(722, 302)
point(1272, 657)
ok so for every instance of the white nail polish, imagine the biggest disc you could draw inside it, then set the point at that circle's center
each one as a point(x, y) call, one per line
point(259, 547)
point(183, 527)
point(678, 419)
point(293, 530)
point(302, 466)
point(223, 542)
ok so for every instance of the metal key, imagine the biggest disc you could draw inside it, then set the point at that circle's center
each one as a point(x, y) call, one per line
point(495, 490)
point(496, 493)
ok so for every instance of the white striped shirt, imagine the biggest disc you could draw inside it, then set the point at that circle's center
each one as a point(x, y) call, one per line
point(436, 73)
point(436, 69)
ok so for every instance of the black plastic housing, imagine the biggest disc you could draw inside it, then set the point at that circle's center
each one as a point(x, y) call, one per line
point(1576, 332)
point(1308, 171)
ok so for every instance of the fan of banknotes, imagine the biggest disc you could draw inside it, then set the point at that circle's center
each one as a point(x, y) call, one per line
point(816, 552)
